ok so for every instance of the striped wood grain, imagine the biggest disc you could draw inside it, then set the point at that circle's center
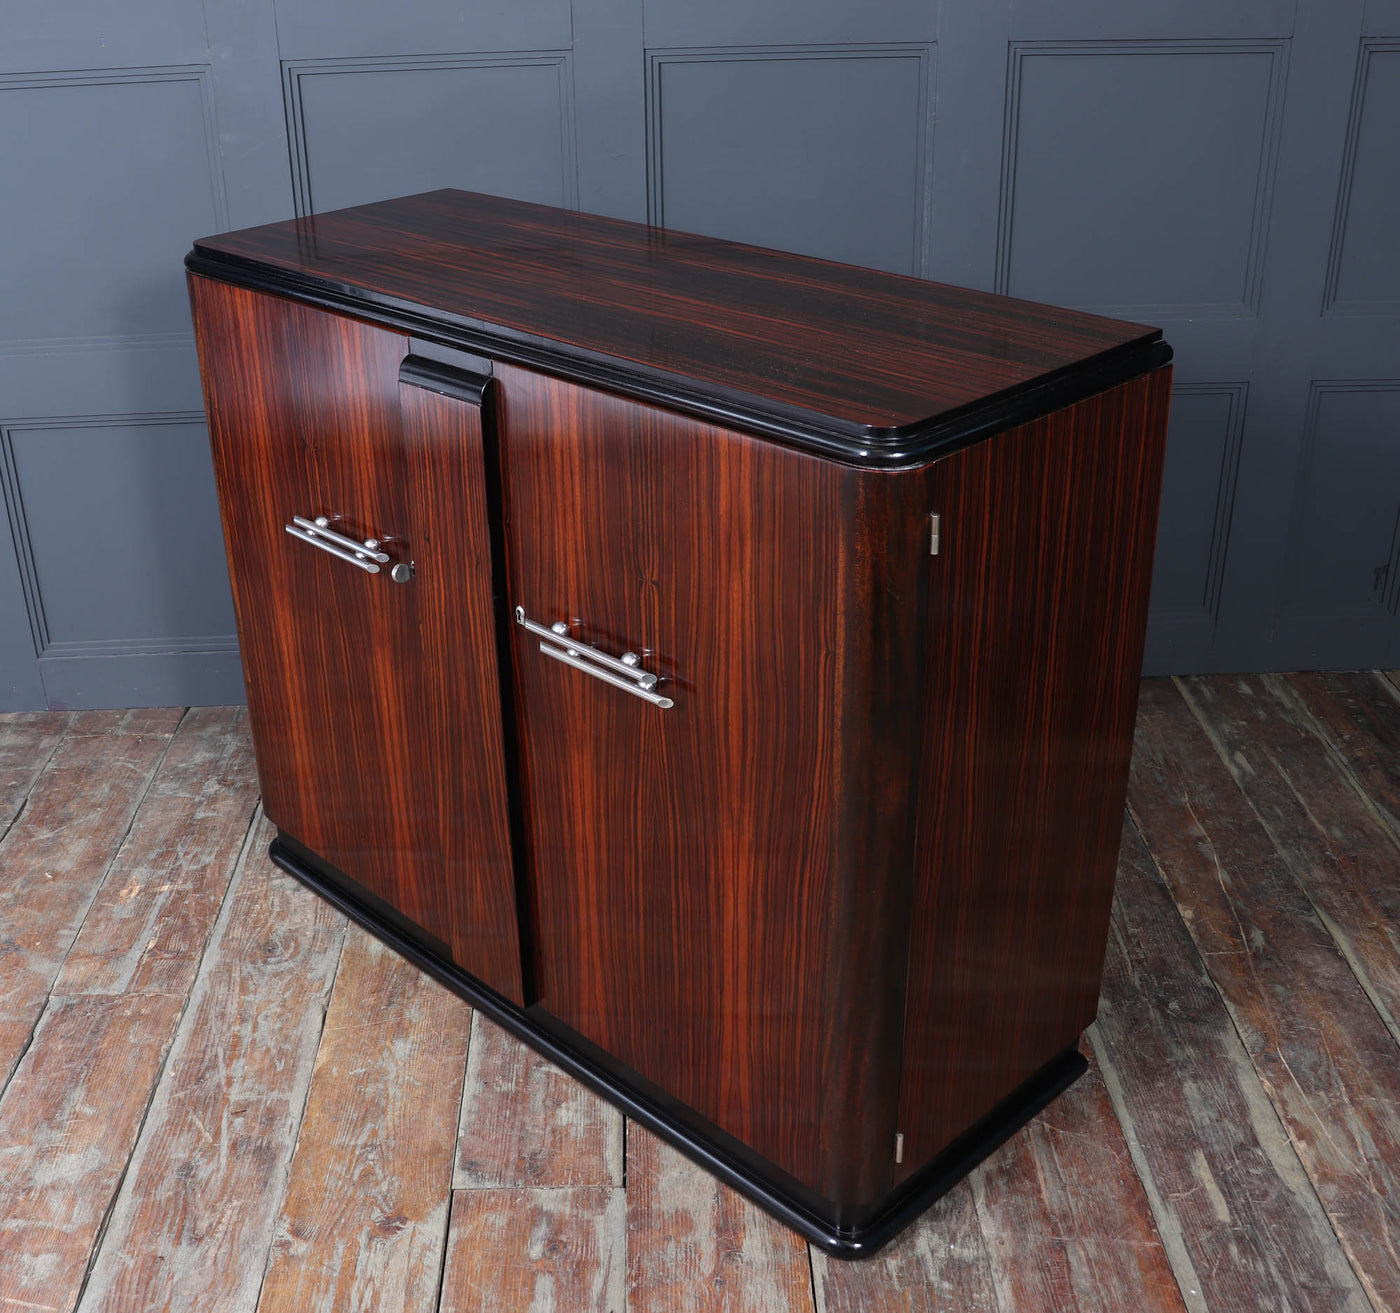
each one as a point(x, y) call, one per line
point(54, 857)
point(851, 348)
point(1028, 718)
point(1330, 1067)
point(1235, 1209)
point(365, 1215)
point(193, 1221)
point(545, 1251)
point(407, 796)
point(525, 1123)
point(694, 1246)
point(742, 794)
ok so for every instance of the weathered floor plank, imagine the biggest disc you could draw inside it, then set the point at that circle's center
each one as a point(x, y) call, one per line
point(1064, 1216)
point(27, 741)
point(1262, 799)
point(1324, 1056)
point(54, 857)
point(148, 925)
point(1234, 1207)
point(546, 1251)
point(1358, 712)
point(1336, 847)
point(525, 1123)
point(193, 1221)
point(939, 1263)
point(364, 1219)
point(694, 1244)
point(67, 1124)
point(70, 1117)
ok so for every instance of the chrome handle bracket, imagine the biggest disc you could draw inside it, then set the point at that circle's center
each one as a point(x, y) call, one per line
point(366, 556)
point(321, 527)
point(622, 672)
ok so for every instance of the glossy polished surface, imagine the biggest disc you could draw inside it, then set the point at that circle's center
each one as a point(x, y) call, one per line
point(374, 705)
point(854, 881)
point(850, 349)
point(1037, 610)
point(720, 888)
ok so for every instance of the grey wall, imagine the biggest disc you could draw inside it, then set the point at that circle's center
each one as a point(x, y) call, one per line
point(1230, 171)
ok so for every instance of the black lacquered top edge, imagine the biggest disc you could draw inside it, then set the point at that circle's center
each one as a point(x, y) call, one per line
point(903, 447)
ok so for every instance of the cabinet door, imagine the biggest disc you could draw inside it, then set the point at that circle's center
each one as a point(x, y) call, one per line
point(375, 704)
point(714, 882)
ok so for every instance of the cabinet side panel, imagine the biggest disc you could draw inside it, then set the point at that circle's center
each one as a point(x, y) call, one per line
point(374, 705)
point(701, 875)
point(1037, 611)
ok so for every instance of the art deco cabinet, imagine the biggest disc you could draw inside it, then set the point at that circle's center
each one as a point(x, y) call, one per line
point(718, 665)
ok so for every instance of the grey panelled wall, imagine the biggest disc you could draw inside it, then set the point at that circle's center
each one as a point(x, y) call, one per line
point(1230, 171)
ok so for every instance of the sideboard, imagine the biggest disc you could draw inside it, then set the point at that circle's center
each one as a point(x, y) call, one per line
point(718, 665)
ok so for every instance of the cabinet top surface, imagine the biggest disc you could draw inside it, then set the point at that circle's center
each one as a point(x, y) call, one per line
point(871, 366)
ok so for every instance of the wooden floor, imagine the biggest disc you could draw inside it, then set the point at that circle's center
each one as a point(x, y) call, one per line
point(217, 1094)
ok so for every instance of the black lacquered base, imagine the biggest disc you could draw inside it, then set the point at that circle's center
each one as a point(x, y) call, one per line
point(838, 1229)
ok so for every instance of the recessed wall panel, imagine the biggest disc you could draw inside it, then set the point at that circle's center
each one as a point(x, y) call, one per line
point(1137, 175)
point(1365, 274)
point(1198, 487)
point(367, 130)
point(108, 178)
point(118, 529)
point(824, 153)
point(675, 23)
point(1345, 540)
point(346, 28)
point(78, 34)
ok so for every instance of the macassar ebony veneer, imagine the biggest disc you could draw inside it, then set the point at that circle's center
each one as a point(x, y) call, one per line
point(718, 665)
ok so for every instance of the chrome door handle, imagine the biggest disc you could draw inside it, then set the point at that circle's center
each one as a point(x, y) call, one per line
point(364, 556)
point(621, 672)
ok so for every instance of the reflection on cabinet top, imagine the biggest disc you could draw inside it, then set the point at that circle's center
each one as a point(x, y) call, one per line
point(869, 367)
